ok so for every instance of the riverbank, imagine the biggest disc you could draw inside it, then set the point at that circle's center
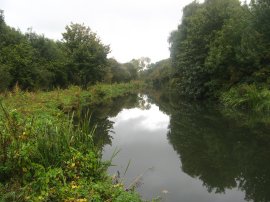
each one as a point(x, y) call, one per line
point(247, 97)
point(45, 157)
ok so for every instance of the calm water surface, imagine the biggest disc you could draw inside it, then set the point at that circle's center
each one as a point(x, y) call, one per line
point(186, 152)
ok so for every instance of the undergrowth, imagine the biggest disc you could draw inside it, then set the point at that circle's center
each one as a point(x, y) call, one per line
point(44, 156)
point(248, 97)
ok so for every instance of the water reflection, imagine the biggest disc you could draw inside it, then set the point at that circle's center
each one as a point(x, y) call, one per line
point(100, 113)
point(188, 145)
point(221, 149)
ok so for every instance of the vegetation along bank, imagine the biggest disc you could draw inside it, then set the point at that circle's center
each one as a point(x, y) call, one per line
point(44, 156)
point(220, 51)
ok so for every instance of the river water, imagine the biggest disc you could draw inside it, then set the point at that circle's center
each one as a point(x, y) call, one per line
point(184, 152)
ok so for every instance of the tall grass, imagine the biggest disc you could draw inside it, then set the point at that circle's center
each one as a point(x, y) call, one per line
point(45, 156)
point(248, 97)
point(44, 139)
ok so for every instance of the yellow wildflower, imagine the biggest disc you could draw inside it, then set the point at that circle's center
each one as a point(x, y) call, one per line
point(72, 165)
point(74, 186)
point(81, 200)
point(118, 185)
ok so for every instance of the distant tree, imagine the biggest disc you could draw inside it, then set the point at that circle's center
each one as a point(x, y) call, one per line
point(132, 70)
point(87, 55)
point(35, 62)
point(141, 63)
point(2, 16)
point(16, 58)
point(118, 73)
point(158, 74)
point(20, 59)
point(50, 57)
point(5, 77)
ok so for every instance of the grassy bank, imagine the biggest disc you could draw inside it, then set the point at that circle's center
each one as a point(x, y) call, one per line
point(247, 97)
point(45, 157)
point(57, 101)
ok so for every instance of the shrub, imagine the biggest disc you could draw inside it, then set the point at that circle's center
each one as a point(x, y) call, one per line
point(248, 97)
point(45, 158)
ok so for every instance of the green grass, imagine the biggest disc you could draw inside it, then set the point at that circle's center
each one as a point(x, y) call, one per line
point(248, 97)
point(45, 157)
point(58, 101)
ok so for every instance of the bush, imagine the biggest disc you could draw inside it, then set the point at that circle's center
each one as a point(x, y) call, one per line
point(248, 97)
point(46, 158)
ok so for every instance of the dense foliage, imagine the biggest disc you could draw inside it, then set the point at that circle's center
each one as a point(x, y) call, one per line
point(224, 149)
point(157, 74)
point(34, 62)
point(219, 45)
point(87, 55)
point(46, 156)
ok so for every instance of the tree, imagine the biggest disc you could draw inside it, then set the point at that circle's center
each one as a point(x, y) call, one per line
point(16, 58)
point(20, 58)
point(5, 77)
point(141, 63)
point(2, 16)
point(87, 54)
point(158, 74)
point(50, 58)
point(230, 59)
point(191, 46)
point(260, 23)
point(36, 62)
point(131, 69)
point(117, 71)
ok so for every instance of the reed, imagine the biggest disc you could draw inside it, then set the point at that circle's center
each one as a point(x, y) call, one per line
point(46, 156)
point(249, 97)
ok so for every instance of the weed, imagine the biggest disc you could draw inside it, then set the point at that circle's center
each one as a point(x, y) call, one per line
point(248, 97)
point(45, 156)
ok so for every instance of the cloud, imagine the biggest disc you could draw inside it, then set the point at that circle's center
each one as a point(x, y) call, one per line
point(151, 119)
point(133, 28)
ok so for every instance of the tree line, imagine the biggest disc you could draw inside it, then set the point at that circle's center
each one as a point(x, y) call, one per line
point(221, 49)
point(33, 61)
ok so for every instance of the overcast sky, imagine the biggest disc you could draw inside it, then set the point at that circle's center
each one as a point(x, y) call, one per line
point(132, 28)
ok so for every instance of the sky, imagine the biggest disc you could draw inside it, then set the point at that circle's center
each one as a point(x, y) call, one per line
point(132, 28)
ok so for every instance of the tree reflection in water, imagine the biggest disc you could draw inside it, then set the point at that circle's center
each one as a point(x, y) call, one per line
point(224, 150)
point(100, 115)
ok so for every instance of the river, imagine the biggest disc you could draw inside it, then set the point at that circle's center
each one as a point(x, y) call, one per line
point(185, 152)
